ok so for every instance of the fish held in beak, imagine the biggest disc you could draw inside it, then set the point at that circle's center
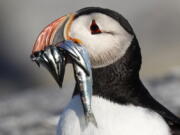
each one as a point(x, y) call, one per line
point(54, 59)
point(54, 48)
point(79, 57)
point(45, 52)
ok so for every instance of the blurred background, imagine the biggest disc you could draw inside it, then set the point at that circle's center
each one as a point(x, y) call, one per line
point(30, 100)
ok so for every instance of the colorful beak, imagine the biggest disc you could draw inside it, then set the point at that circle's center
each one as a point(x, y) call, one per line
point(54, 33)
point(46, 48)
point(45, 51)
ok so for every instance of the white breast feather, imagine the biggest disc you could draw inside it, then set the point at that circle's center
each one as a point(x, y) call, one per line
point(112, 119)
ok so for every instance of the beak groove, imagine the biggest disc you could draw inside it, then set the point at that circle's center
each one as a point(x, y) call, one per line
point(54, 33)
point(51, 34)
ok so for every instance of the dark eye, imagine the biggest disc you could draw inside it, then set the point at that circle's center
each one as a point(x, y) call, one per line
point(94, 28)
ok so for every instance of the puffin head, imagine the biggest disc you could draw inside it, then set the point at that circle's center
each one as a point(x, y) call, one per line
point(104, 33)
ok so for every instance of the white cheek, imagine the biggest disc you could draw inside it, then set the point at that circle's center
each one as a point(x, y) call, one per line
point(104, 48)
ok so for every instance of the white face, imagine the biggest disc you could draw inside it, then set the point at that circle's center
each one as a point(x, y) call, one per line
point(106, 47)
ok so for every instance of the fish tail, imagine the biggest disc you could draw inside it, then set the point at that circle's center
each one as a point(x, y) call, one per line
point(91, 119)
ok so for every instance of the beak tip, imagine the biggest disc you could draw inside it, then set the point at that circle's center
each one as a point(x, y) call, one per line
point(34, 59)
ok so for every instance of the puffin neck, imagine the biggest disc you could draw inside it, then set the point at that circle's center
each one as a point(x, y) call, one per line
point(119, 82)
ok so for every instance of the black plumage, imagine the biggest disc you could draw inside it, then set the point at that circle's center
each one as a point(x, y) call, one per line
point(120, 81)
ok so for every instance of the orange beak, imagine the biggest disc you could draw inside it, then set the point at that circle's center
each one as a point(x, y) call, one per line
point(46, 48)
point(54, 33)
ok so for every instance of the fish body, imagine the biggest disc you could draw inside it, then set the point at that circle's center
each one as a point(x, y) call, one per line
point(54, 58)
point(83, 76)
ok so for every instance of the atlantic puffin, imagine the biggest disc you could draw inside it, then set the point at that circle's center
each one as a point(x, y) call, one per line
point(121, 104)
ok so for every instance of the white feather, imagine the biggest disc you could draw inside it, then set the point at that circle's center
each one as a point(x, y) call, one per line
point(104, 48)
point(112, 119)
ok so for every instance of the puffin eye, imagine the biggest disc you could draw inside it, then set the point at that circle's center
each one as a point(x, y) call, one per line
point(94, 28)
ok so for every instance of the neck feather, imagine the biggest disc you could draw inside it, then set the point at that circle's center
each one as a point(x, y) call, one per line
point(119, 80)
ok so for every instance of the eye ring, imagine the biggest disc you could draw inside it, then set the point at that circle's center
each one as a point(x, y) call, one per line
point(94, 28)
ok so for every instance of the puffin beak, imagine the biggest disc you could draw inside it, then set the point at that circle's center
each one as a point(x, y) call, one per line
point(54, 33)
point(45, 51)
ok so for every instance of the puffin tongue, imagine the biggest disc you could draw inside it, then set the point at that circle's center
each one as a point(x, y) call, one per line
point(54, 58)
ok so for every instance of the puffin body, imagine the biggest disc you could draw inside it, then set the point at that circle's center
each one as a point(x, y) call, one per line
point(112, 119)
point(121, 104)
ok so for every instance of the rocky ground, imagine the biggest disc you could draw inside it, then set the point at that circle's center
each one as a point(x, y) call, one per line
point(35, 111)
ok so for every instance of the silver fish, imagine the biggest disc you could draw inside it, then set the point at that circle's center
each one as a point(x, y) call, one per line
point(83, 75)
point(54, 58)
